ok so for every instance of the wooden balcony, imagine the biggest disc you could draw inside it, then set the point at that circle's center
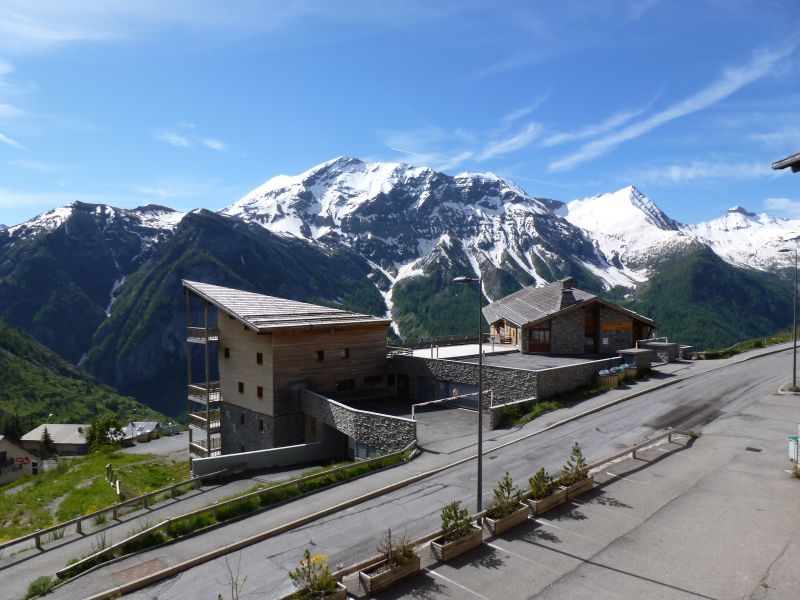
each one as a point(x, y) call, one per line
point(199, 335)
point(198, 448)
point(198, 420)
point(199, 393)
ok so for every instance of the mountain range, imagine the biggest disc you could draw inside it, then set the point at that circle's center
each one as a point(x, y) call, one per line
point(101, 285)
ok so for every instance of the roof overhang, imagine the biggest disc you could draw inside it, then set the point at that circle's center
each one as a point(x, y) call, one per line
point(792, 162)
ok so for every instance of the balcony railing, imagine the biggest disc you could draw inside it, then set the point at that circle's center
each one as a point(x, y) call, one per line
point(198, 392)
point(198, 447)
point(197, 335)
point(198, 420)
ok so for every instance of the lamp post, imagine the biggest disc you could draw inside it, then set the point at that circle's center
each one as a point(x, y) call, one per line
point(794, 321)
point(466, 280)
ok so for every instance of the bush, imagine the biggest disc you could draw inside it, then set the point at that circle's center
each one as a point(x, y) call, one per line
point(397, 551)
point(312, 578)
point(506, 498)
point(456, 521)
point(191, 524)
point(542, 484)
point(236, 509)
point(40, 586)
point(575, 468)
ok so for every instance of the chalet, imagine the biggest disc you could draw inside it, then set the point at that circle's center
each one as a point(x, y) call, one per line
point(558, 318)
point(69, 439)
point(14, 461)
point(264, 350)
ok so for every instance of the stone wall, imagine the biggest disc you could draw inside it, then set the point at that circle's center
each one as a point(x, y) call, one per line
point(563, 379)
point(567, 333)
point(383, 432)
point(507, 384)
point(244, 430)
point(617, 329)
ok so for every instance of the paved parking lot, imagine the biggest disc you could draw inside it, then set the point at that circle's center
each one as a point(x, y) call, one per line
point(714, 519)
point(532, 362)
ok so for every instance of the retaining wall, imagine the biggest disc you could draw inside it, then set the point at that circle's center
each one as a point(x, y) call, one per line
point(550, 382)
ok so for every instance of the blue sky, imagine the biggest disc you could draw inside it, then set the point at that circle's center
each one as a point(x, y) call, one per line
point(192, 103)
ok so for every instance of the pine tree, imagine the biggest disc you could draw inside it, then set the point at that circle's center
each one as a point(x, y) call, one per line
point(46, 445)
point(575, 468)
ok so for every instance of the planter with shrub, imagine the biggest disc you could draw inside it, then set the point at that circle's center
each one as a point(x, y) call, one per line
point(459, 534)
point(546, 493)
point(400, 560)
point(506, 509)
point(575, 474)
point(313, 580)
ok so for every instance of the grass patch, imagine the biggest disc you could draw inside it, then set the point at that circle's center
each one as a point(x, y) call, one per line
point(40, 586)
point(28, 509)
point(778, 338)
point(524, 412)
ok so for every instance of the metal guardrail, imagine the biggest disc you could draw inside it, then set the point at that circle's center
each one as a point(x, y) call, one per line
point(490, 393)
point(165, 525)
point(114, 509)
point(198, 334)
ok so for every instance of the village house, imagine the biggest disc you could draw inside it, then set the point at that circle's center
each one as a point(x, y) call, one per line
point(259, 353)
point(558, 318)
point(14, 461)
point(69, 439)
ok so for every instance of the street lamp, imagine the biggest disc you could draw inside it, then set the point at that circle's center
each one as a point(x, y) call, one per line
point(794, 320)
point(466, 280)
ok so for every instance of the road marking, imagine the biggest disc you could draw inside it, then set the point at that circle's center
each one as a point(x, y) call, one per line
point(519, 556)
point(627, 479)
point(547, 524)
point(458, 585)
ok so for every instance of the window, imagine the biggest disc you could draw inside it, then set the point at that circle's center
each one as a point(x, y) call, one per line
point(259, 358)
point(241, 419)
point(345, 352)
point(241, 387)
point(373, 380)
point(320, 355)
point(390, 379)
point(345, 384)
point(242, 448)
point(227, 352)
point(539, 336)
point(261, 424)
point(260, 392)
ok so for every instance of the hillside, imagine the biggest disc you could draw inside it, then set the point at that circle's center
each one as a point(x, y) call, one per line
point(35, 382)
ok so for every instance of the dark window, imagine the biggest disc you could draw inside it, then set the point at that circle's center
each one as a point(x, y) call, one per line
point(373, 380)
point(241, 419)
point(227, 352)
point(539, 336)
point(320, 355)
point(241, 387)
point(260, 392)
point(390, 380)
point(259, 358)
point(345, 352)
point(261, 424)
point(242, 448)
point(345, 384)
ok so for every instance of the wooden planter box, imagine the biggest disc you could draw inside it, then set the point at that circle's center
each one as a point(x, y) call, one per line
point(538, 507)
point(446, 551)
point(497, 526)
point(376, 580)
point(339, 594)
point(583, 486)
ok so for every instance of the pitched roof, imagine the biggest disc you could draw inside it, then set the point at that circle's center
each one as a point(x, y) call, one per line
point(267, 313)
point(533, 304)
point(60, 433)
point(792, 161)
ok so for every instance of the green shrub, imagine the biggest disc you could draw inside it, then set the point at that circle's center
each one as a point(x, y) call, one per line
point(192, 524)
point(506, 498)
point(542, 484)
point(154, 538)
point(236, 509)
point(396, 551)
point(312, 578)
point(456, 521)
point(575, 468)
point(40, 586)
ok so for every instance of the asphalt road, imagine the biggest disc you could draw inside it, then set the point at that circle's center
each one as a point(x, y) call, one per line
point(352, 534)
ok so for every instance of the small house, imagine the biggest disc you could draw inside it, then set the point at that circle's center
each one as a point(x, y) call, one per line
point(69, 439)
point(14, 461)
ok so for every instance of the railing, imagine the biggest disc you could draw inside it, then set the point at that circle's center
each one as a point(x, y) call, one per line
point(394, 350)
point(198, 392)
point(444, 401)
point(165, 525)
point(199, 420)
point(203, 450)
point(198, 334)
point(41, 535)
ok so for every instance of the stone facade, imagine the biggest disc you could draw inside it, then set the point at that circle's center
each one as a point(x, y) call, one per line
point(616, 331)
point(567, 333)
point(507, 384)
point(385, 433)
point(245, 430)
point(550, 382)
point(640, 358)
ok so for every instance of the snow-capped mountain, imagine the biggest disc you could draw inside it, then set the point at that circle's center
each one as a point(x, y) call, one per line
point(402, 218)
point(749, 240)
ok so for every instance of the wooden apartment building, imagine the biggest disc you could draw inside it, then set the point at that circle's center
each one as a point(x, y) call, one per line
point(257, 353)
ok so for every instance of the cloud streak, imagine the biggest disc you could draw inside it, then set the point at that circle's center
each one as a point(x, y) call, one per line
point(784, 205)
point(188, 140)
point(511, 144)
point(4, 139)
point(731, 80)
point(698, 171)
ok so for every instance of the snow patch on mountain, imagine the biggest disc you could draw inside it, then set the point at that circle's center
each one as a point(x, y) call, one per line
point(45, 222)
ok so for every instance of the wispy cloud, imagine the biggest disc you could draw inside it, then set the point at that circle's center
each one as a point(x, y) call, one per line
point(11, 198)
point(518, 141)
point(7, 111)
point(186, 139)
point(698, 171)
point(783, 205)
point(40, 167)
point(509, 119)
point(4, 139)
point(609, 124)
point(731, 80)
